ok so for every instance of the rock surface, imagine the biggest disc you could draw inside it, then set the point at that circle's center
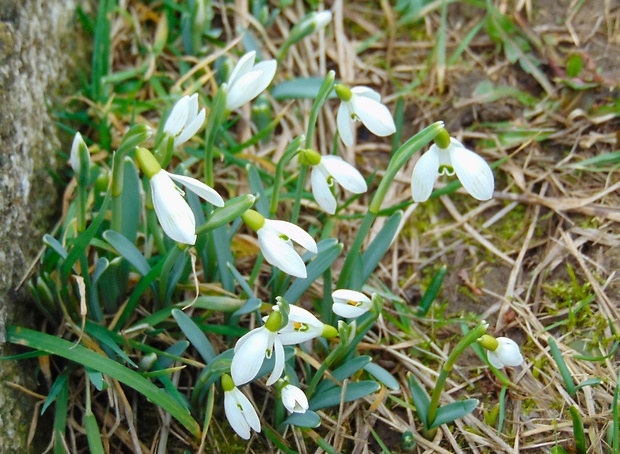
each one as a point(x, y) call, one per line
point(37, 40)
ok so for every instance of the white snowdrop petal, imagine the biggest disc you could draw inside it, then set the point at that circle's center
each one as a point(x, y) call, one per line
point(178, 117)
point(424, 175)
point(244, 65)
point(278, 367)
point(348, 311)
point(345, 174)
point(344, 295)
point(375, 116)
point(190, 129)
point(281, 254)
point(249, 411)
point(294, 232)
point(366, 92)
point(473, 172)
point(322, 191)
point(234, 415)
point(345, 124)
point(249, 357)
point(199, 188)
point(174, 214)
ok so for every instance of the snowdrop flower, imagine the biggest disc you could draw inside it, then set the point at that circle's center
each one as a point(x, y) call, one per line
point(502, 351)
point(252, 349)
point(326, 170)
point(303, 326)
point(173, 212)
point(350, 304)
point(248, 80)
point(364, 104)
point(294, 399)
point(184, 120)
point(449, 156)
point(79, 157)
point(239, 410)
point(274, 239)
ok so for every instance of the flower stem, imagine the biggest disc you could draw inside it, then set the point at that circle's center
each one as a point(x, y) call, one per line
point(324, 91)
point(301, 180)
point(465, 342)
point(354, 251)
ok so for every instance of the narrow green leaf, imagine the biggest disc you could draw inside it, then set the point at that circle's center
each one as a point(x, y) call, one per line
point(380, 244)
point(128, 251)
point(105, 337)
point(354, 391)
point(231, 210)
point(455, 410)
point(56, 389)
point(432, 291)
point(299, 88)
point(194, 335)
point(382, 375)
point(343, 372)
point(578, 432)
point(135, 136)
point(55, 245)
point(95, 377)
point(256, 185)
point(559, 360)
point(589, 382)
point(88, 358)
point(307, 419)
point(95, 444)
point(131, 201)
point(420, 400)
point(251, 305)
point(60, 416)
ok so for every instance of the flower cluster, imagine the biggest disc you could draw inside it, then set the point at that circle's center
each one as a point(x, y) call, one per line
point(261, 351)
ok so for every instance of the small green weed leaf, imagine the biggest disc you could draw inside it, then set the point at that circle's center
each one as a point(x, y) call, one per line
point(589, 382)
point(578, 432)
point(563, 368)
point(432, 291)
point(95, 444)
point(95, 377)
point(55, 245)
point(455, 410)
point(57, 387)
point(574, 65)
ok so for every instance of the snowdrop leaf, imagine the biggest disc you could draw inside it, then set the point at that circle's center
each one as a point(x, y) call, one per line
point(308, 419)
point(194, 335)
point(127, 249)
point(453, 411)
point(333, 397)
point(380, 244)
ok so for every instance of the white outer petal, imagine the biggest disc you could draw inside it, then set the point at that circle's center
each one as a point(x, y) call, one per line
point(199, 188)
point(366, 92)
point(345, 124)
point(290, 336)
point(345, 174)
point(278, 368)
point(280, 253)
point(508, 352)
point(475, 174)
point(243, 66)
point(294, 399)
point(235, 415)
point(375, 116)
point(322, 191)
point(249, 356)
point(174, 214)
point(424, 174)
point(347, 311)
point(249, 411)
point(294, 232)
point(74, 157)
point(250, 85)
point(190, 129)
point(178, 117)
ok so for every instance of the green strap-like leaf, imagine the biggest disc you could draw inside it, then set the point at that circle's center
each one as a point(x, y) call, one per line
point(455, 410)
point(88, 358)
point(194, 335)
point(354, 391)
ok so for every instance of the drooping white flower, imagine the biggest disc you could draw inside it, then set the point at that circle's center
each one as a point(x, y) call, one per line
point(184, 120)
point(274, 239)
point(331, 168)
point(507, 353)
point(239, 410)
point(248, 80)
point(301, 327)
point(294, 399)
point(173, 212)
point(350, 304)
point(363, 104)
point(254, 347)
point(321, 18)
point(474, 173)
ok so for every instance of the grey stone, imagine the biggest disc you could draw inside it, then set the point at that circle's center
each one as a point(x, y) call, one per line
point(37, 40)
